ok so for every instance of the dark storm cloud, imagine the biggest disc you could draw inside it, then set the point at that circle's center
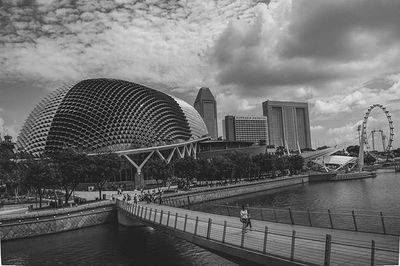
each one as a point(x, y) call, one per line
point(342, 30)
point(309, 43)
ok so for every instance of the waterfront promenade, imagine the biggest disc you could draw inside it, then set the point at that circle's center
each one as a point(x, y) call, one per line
point(274, 243)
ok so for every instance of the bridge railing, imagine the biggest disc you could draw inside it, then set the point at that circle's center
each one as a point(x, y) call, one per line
point(351, 220)
point(314, 249)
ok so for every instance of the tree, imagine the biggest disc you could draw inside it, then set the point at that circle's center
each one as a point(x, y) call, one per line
point(186, 168)
point(296, 163)
point(11, 174)
point(258, 162)
point(69, 167)
point(369, 159)
point(38, 175)
point(7, 167)
point(282, 163)
point(101, 167)
point(353, 150)
point(224, 167)
point(241, 165)
point(159, 170)
point(207, 169)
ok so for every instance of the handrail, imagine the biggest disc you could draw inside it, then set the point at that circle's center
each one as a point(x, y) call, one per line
point(352, 221)
point(289, 246)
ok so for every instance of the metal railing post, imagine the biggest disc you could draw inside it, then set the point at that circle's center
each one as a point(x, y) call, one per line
point(195, 227)
point(141, 212)
point(209, 228)
point(242, 240)
point(275, 216)
point(354, 220)
point(265, 240)
point(155, 215)
point(184, 226)
point(169, 213)
point(330, 218)
point(188, 202)
point(293, 243)
point(261, 215)
point(227, 207)
point(224, 232)
point(309, 216)
point(161, 214)
point(327, 259)
point(383, 223)
point(151, 210)
point(145, 213)
point(176, 220)
point(291, 216)
point(372, 252)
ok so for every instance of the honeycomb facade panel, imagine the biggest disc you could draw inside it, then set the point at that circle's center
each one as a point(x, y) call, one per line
point(98, 114)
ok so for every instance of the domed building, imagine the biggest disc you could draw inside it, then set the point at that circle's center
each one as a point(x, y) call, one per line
point(100, 114)
point(126, 118)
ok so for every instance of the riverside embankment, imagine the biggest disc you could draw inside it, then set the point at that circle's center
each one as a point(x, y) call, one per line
point(219, 192)
point(36, 223)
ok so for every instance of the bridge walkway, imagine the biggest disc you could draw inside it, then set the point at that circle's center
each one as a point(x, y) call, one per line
point(291, 243)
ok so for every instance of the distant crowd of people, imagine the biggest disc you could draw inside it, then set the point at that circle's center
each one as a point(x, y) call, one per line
point(148, 196)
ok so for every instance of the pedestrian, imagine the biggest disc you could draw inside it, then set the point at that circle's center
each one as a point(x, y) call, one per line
point(160, 199)
point(249, 220)
point(244, 217)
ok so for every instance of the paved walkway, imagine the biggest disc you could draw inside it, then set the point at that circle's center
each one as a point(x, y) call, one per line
point(347, 248)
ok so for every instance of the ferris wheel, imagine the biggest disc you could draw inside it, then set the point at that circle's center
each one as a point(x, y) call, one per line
point(390, 122)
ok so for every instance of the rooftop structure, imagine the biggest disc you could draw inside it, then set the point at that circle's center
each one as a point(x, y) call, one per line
point(98, 114)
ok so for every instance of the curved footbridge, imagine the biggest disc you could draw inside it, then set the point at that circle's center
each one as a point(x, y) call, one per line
point(267, 243)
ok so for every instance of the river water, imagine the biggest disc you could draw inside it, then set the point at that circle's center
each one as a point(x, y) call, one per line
point(114, 245)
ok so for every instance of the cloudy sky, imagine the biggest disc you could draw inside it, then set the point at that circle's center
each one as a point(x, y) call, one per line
point(340, 56)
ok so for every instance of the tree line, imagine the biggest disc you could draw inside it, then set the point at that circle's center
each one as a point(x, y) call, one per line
point(232, 167)
point(58, 170)
point(64, 169)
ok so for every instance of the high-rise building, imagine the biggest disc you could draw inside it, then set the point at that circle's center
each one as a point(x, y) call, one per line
point(229, 127)
point(206, 105)
point(246, 128)
point(288, 124)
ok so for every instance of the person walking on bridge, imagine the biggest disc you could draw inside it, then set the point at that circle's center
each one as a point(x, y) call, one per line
point(245, 219)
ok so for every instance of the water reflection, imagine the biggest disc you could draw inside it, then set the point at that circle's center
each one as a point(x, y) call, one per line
point(108, 245)
point(363, 195)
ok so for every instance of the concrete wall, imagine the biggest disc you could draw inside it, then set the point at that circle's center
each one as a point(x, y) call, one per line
point(57, 220)
point(350, 176)
point(322, 177)
point(214, 193)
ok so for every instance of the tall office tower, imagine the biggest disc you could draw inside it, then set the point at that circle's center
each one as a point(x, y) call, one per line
point(246, 128)
point(229, 127)
point(206, 105)
point(288, 124)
